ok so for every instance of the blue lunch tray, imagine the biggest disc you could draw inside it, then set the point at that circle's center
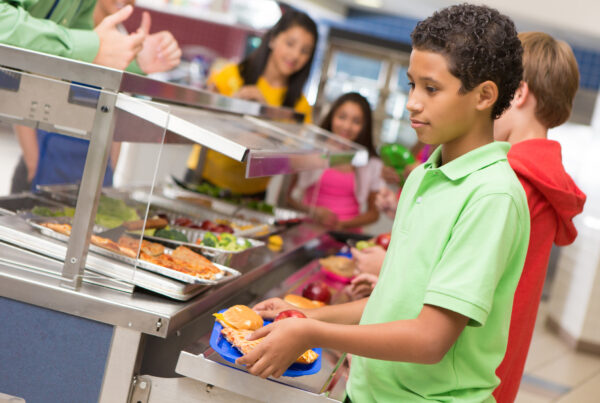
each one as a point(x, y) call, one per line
point(230, 353)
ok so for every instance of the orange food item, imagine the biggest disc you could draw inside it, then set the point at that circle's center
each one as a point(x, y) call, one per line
point(301, 302)
point(133, 244)
point(240, 317)
point(340, 265)
point(64, 229)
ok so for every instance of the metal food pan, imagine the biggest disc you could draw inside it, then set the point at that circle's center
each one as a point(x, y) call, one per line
point(11, 205)
point(229, 273)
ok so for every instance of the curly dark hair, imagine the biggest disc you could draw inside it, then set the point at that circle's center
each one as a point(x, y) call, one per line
point(479, 44)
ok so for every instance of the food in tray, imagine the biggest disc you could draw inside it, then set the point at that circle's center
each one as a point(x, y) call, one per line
point(182, 259)
point(259, 205)
point(240, 323)
point(64, 229)
point(206, 225)
point(301, 302)
point(340, 265)
point(111, 212)
point(147, 247)
point(240, 317)
point(224, 241)
point(197, 265)
point(171, 234)
point(53, 212)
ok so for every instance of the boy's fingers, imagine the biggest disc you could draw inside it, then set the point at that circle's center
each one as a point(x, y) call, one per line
point(248, 359)
point(262, 332)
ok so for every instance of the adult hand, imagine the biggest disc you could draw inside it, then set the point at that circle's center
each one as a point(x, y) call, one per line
point(116, 49)
point(160, 51)
point(369, 260)
point(271, 307)
point(386, 201)
point(362, 285)
point(284, 341)
point(251, 93)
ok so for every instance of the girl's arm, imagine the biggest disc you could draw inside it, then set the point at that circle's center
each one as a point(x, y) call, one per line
point(368, 217)
point(424, 340)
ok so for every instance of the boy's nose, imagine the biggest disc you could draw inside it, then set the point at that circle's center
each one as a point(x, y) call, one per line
point(413, 104)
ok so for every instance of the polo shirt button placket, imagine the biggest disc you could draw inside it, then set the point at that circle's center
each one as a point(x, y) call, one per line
point(419, 200)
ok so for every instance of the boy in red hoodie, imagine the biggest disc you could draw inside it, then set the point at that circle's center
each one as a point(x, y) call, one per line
point(543, 100)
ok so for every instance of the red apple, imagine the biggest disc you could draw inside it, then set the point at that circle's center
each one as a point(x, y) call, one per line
point(383, 240)
point(317, 292)
point(290, 313)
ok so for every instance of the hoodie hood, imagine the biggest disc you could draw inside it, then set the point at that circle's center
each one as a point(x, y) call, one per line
point(539, 161)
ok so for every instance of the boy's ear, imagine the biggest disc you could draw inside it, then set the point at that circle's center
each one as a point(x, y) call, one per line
point(521, 95)
point(487, 95)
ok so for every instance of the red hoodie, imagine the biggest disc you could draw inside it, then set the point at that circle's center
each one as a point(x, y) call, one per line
point(553, 200)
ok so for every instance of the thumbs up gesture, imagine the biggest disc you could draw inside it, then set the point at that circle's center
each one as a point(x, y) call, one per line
point(160, 51)
point(117, 49)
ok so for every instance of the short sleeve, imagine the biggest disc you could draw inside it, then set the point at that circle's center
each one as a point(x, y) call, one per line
point(227, 80)
point(482, 244)
point(304, 107)
point(376, 182)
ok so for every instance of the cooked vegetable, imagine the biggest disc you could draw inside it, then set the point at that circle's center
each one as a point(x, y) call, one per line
point(171, 234)
point(210, 240)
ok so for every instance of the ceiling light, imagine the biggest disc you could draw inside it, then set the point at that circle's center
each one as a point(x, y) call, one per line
point(370, 3)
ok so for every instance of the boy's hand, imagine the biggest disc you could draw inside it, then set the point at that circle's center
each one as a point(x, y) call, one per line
point(362, 285)
point(284, 341)
point(271, 307)
point(369, 260)
point(160, 52)
point(386, 201)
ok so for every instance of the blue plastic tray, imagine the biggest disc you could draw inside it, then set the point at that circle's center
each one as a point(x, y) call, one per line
point(230, 353)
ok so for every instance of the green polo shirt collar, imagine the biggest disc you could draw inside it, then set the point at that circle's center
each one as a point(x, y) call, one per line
point(470, 162)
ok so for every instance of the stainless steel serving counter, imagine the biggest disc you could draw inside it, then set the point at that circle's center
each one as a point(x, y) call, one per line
point(121, 334)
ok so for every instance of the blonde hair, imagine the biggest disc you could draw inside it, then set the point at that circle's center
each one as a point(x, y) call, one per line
point(551, 73)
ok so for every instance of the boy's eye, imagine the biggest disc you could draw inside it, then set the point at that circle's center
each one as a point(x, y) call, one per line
point(411, 85)
point(430, 89)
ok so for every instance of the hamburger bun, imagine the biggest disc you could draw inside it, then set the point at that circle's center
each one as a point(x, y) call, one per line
point(339, 265)
point(240, 317)
point(301, 302)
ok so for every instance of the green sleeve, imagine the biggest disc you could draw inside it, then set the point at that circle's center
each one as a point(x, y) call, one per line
point(134, 67)
point(19, 28)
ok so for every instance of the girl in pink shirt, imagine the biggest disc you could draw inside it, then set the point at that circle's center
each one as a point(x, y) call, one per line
point(343, 197)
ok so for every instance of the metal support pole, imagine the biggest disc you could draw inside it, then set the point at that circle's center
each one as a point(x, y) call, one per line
point(89, 191)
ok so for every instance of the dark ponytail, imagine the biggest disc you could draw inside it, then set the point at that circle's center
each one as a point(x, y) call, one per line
point(254, 65)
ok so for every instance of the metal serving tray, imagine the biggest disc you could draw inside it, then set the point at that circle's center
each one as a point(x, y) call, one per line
point(229, 273)
point(11, 205)
point(217, 255)
point(177, 191)
point(14, 230)
point(174, 208)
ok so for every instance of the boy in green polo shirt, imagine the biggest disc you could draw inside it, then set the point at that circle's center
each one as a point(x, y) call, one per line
point(435, 328)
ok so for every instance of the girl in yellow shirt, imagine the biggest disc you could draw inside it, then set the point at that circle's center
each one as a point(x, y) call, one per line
point(273, 74)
